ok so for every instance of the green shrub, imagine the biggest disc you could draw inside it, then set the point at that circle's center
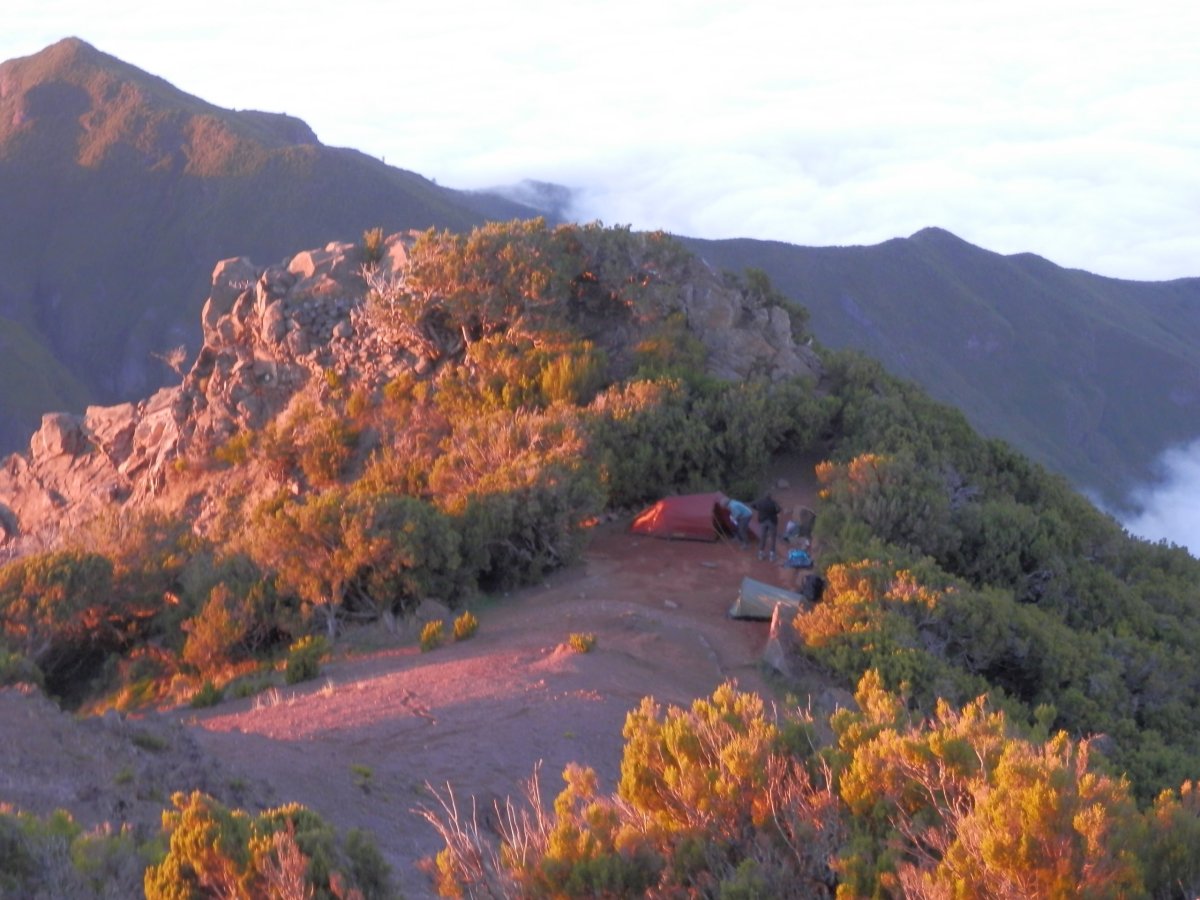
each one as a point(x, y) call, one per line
point(327, 451)
point(250, 685)
point(372, 245)
point(367, 551)
point(671, 350)
point(582, 642)
point(432, 635)
point(363, 776)
point(55, 857)
point(58, 610)
point(465, 626)
point(709, 797)
point(16, 669)
point(358, 404)
point(236, 450)
point(304, 659)
point(213, 634)
point(288, 851)
point(208, 695)
point(147, 740)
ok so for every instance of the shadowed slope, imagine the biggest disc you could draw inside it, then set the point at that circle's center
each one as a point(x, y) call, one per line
point(119, 191)
point(1091, 376)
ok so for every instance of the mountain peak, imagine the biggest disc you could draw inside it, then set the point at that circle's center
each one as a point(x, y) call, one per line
point(81, 105)
point(933, 234)
point(61, 54)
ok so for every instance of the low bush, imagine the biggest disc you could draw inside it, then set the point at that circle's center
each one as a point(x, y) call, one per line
point(16, 669)
point(289, 851)
point(372, 245)
point(55, 857)
point(432, 635)
point(208, 695)
point(582, 642)
point(304, 659)
point(465, 626)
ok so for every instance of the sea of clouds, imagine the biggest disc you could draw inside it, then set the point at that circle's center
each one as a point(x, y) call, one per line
point(1167, 510)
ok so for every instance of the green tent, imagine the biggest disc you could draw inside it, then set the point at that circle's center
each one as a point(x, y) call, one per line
point(757, 600)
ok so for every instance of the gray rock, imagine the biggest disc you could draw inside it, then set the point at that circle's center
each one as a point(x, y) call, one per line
point(430, 610)
point(9, 526)
point(61, 434)
point(274, 324)
point(112, 428)
point(229, 279)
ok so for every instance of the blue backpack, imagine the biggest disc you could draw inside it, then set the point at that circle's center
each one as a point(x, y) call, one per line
point(799, 559)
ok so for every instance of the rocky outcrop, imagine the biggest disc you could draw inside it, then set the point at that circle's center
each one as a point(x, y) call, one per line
point(266, 333)
point(270, 333)
point(742, 337)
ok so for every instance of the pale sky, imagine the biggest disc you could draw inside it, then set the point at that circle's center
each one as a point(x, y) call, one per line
point(1068, 129)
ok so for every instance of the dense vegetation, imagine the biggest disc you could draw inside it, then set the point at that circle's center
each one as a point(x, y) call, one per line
point(956, 568)
point(204, 850)
point(1073, 368)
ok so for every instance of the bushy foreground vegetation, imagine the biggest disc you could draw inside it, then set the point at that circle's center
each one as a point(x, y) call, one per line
point(728, 800)
point(956, 569)
point(204, 850)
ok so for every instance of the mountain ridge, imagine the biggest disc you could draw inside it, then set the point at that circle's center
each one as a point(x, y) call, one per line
point(121, 191)
point(1092, 376)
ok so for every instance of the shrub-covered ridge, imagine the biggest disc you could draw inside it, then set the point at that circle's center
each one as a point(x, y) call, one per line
point(450, 429)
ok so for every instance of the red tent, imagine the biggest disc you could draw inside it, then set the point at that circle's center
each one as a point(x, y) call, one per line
point(691, 517)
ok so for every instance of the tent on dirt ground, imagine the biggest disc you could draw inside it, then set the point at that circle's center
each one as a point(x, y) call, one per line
point(756, 600)
point(689, 517)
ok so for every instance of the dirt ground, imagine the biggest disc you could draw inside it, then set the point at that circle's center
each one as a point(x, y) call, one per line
point(360, 744)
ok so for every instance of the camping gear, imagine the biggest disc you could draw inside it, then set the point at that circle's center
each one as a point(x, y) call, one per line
point(801, 524)
point(756, 600)
point(798, 559)
point(687, 517)
point(812, 587)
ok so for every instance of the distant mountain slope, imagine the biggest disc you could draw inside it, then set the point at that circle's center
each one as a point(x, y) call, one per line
point(1093, 377)
point(119, 191)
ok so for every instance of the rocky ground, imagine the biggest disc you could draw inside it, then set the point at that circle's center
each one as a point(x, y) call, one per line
point(361, 743)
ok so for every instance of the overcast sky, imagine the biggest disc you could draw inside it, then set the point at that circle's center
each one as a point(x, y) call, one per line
point(1064, 128)
point(1067, 128)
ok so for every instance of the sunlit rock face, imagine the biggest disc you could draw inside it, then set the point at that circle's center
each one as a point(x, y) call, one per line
point(272, 333)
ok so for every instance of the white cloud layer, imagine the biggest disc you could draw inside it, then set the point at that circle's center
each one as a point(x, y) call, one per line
point(1169, 509)
point(1065, 129)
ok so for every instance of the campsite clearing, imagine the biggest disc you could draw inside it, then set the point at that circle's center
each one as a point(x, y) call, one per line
point(478, 714)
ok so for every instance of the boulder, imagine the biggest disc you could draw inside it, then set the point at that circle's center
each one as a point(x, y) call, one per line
point(61, 434)
point(431, 610)
point(274, 324)
point(9, 526)
point(229, 279)
point(112, 428)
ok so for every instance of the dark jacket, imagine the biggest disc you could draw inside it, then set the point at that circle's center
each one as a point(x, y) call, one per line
point(768, 509)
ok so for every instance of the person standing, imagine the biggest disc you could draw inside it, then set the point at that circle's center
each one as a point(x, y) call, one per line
point(740, 514)
point(768, 524)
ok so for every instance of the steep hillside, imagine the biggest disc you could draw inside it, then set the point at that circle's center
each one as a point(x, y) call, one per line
point(118, 193)
point(399, 432)
point(1091, 376)
point(285, 345)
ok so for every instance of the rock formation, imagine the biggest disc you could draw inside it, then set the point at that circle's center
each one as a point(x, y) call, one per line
point(270, 333)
